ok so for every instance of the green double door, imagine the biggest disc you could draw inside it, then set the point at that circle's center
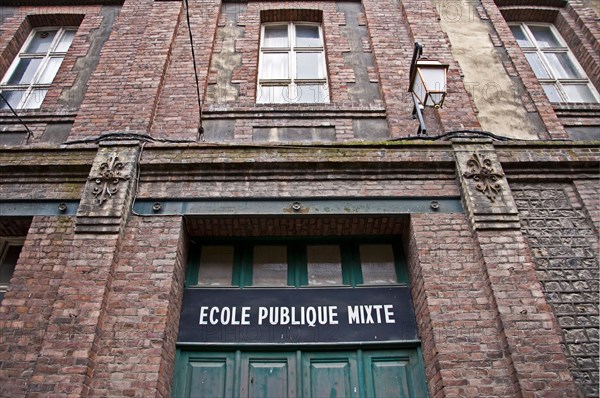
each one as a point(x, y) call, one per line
point(315, 374)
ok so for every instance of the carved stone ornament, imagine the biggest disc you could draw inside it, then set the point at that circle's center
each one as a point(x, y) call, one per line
point(108, 179)
point(484, 175)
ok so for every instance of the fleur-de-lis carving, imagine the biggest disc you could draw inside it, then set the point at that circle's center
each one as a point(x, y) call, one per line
point(482, 172)
point(108, 179)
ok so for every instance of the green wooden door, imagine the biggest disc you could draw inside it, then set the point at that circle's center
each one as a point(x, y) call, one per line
point(314, 374)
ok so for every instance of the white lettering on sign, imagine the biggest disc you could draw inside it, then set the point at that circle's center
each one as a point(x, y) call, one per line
point(366, 314)
point(311, 315)
point(224, 316)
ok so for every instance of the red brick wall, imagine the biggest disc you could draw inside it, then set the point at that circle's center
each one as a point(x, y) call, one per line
point(424, 27)
point(177, 113)
point(29, 302)
point(123, 92)
point(529, 325)
point(137, 340)
point(463, 343)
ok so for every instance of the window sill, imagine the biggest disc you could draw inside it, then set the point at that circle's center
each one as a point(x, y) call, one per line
point(252, 110)
point(577, 109)
point(35, 115)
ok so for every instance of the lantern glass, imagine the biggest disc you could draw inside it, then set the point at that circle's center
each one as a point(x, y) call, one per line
point(430, 83)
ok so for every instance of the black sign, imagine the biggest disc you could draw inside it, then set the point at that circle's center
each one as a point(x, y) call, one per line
point(292, 316)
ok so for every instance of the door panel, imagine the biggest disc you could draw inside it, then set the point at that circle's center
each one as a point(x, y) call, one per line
point(393, 376)
point(268, 375)
point(208, 379)
point(394, 373)
point(330, 376)
point(323, 374)
point(205, 375)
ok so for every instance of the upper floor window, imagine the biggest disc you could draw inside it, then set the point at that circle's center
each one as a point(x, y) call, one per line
point(554, 65)
point(292, 64)
point(28, 79)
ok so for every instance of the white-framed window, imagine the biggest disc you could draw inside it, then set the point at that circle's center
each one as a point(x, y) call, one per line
point(10, 249)
point(28, 79)
point(292, 65)
point(554, 65)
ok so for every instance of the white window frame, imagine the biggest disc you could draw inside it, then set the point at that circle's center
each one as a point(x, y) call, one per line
point(541, 52)
point(292, 82)
point(34, 87)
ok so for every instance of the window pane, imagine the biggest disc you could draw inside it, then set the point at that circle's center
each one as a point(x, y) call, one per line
point(522, 40)
point(578, 93)
point(65, 41)
point(562, 66)
point(8, 264)
point(13, 97)
point(276, 36)
point(216, 266)
point(552, 92)
point(50, 71)
point(324, 265)
point(309, 66)
point(270, 266)
point(313, 93)
point(35, 99)
point(544, 37)
point(435, 80)
point(41, 41)
point(377, 262)
point(25, 71)
point(307, 36)
point(272, 95)
point(275, 66)
point(537, 66)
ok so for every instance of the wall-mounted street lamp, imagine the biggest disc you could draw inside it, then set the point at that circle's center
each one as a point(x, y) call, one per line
point(427, 85)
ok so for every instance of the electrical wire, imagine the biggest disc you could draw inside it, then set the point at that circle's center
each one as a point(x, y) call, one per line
point(126, 136)
point(200, 128)
point(146, 138)
point(457, 134)
point(29, 132)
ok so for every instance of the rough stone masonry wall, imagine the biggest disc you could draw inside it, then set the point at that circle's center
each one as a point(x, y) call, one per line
point(564, 246)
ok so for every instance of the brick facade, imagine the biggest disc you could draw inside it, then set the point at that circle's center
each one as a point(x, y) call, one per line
point(503, 284)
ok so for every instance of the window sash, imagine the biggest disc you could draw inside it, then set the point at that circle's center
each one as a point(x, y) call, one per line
point(556, 68)
point(29, 90)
